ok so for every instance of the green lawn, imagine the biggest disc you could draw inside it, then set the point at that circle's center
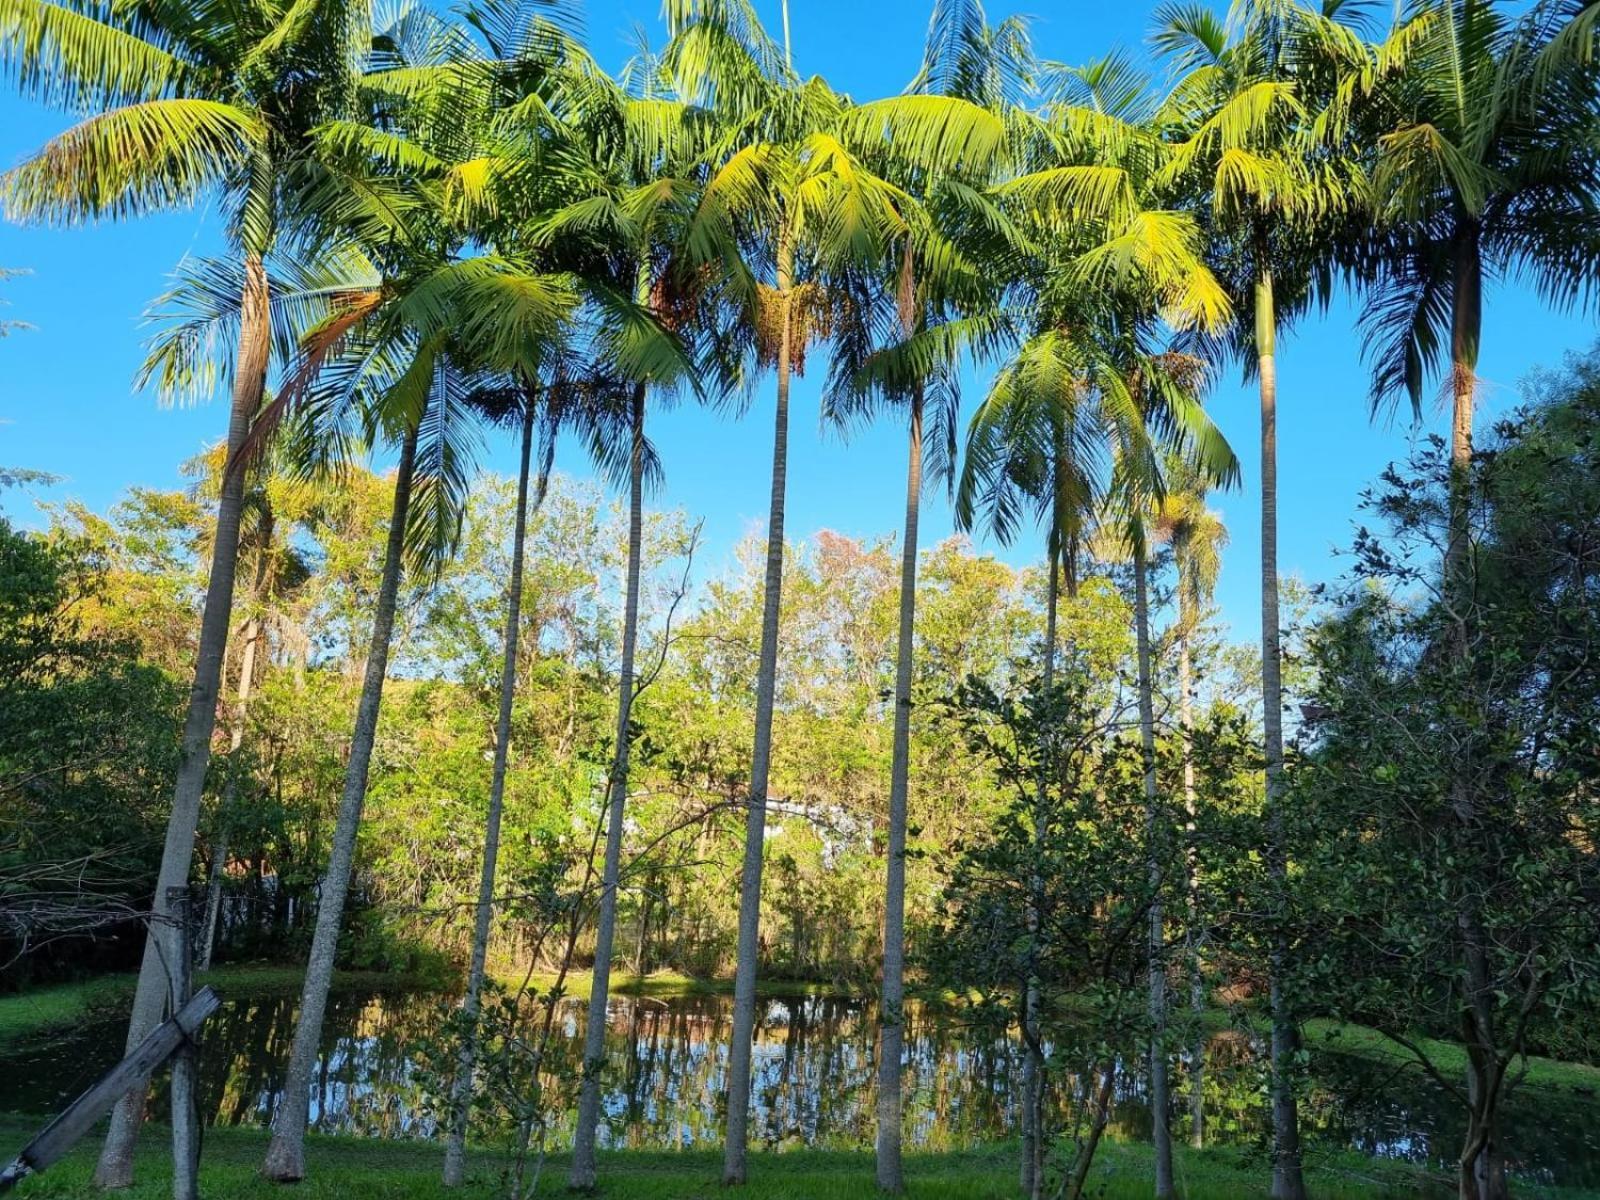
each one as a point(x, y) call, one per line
point(353, 1169)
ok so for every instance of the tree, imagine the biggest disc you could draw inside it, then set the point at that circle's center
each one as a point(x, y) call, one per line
point(183, 104)
point(939, 148)
point(1277, 177)
point(1101, 267)
point(625, 221)
point(400, 357)
point(1485, 130)
point(1197, 537)
point(782, 189)
point(1071, 817)
point(1417, 921)
point(461, 1090)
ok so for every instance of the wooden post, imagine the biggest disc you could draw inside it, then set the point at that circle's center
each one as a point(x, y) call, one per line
point(185, 1122)
point(56, 1138)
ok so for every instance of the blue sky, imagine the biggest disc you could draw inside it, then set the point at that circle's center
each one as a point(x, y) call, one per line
point(67, 405)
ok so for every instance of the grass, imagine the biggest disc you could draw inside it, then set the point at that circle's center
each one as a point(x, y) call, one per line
point(348, 1168)
point(48, 1009)
point(1449, 1057)
point(672, 983)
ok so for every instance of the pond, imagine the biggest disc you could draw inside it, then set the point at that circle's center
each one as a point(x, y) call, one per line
point(814, 1070)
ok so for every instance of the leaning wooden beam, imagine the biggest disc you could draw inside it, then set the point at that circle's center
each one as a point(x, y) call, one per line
point(56, 1138)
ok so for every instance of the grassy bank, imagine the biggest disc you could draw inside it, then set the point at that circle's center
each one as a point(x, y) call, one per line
point(672, 983)
point(1449, 1057)
point(61, 1005)
point(341, 1168)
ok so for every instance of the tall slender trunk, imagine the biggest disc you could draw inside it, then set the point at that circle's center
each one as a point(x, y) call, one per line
point(115, 1169)
point(1466, 322)
point(1288, 1179)
point(1192, 934)
point(891, 1012)
point(253, 633)
point(230, 799)
point(1160, 1130)
point(1033, 1139)
point(285, 1159)
point(1481, 1168)
point(582, 1174)
point(455, 1151)
point(744, 980)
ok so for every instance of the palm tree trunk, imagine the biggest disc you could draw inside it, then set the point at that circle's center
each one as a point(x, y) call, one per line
point(891, 1012)
point(755, 825)
point(455, 1151)
point(1197, 986)
point(582, 1175)
point(115, 1169)
point(285, 1160)
point(1160, 1130)
point(230, 795)
point(1033, 1052)
point(253, 632)
point(1466, 321)
point(1481, 1169)
point(1288, 1179)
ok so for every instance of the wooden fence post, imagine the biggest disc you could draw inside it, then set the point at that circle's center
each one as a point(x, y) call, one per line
point(185, 1116)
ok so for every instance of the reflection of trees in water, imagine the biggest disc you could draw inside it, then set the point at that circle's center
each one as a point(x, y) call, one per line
point(813, 1081)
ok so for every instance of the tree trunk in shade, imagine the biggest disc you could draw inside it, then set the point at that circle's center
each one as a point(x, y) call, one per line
point(1161, 1132)
point(455, 1151)
point(582, 1175)
point(1288, 1179)
point(285, 1159)
point(891, 1037)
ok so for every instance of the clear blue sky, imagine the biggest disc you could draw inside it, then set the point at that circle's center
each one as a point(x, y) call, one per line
point(67, 405)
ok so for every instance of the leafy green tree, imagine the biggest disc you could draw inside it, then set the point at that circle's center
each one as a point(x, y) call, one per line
point(1071, 817)
point(1420, 919)
point(86, 730)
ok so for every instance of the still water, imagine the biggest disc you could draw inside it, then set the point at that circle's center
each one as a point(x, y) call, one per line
point(814, 1073)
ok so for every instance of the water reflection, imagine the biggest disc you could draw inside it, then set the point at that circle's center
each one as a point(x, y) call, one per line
point(814, 1080)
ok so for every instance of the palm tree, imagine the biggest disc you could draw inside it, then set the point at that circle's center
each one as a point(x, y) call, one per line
point(1161, 384)
point(782, 187)
point(1253, 139)
point(524, 409)
point(620, 226)
point(1197, 537)
point(184, 103)
point(401, 356)
point(431, 430)
point(1102, 264)
point(941, 144)
point(1487, 131)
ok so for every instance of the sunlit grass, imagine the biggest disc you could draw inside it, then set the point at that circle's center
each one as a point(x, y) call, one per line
point(351, 1168)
